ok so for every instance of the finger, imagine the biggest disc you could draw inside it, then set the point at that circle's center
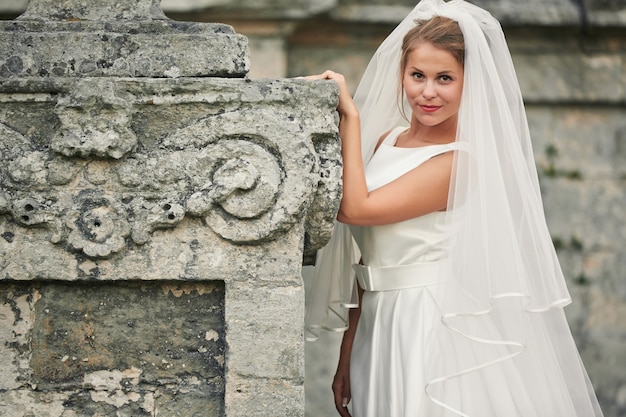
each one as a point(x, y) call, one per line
point(316, 77)
point(341, 399)
point(326, 75)
point(343, 411)
point(346, 396)
point(338, 395)
point(338, 398)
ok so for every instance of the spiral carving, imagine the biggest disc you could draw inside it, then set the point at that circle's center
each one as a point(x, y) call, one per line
point(243, 190)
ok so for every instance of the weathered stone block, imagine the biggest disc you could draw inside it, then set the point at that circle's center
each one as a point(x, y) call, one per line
point(571, 76)
point(126, 345)
point(187, 180)
point(561, 136)
point(267, 397)
point(118, 39)
point(605, 12)
point(270, 345)
point(93, 10)
point(225, 160)
point(508, 12)
point(164, 331)
point(156, 216)
point(115, 51)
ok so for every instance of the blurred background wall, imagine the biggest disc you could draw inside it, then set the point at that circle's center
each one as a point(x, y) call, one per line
point(570, 57)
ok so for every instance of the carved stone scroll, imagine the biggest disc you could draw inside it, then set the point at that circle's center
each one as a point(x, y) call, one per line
point(95, 192)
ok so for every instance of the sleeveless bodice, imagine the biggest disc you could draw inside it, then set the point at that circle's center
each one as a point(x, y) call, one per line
point(420, 239)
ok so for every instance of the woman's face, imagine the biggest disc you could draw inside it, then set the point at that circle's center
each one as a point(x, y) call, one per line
point(433, 82)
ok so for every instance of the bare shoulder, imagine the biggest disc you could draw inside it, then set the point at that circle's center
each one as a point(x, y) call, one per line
point(381, 139)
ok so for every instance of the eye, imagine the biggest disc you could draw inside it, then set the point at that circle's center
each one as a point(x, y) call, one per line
point(445, 78)
point(417, 75)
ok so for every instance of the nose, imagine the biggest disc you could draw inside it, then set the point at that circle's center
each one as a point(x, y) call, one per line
point(429, 91)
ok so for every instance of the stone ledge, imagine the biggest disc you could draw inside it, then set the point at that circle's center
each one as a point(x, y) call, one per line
point(94, 10)
point(168, 49)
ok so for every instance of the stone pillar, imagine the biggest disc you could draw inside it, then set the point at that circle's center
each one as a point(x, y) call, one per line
point(154, 208)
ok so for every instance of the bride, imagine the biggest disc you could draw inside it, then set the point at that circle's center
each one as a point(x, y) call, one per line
point(457, 308)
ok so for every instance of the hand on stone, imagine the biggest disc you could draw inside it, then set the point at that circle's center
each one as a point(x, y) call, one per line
point(346, 106)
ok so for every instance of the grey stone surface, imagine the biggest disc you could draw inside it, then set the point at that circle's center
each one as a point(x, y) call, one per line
point(135, 347)
point(32, 46)
point(215, 186)
point(218, 183)
point(584, 13)
point(13, 6)
point(225, 159)
point(267, 9)
point(536, 12)
point(605, 12)
point(93, 10)
point(154, 215)
point(573, 77)
point(578, 153)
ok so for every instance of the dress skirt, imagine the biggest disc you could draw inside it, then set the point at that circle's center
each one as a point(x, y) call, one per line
point(391, 344)
point(406, 363)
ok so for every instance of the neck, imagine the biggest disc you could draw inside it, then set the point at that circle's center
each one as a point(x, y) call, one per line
point(444, 132)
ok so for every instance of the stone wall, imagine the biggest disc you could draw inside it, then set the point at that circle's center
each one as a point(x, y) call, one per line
point(575, 92)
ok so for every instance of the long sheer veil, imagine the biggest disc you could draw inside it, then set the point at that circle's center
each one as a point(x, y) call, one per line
point(505, 311)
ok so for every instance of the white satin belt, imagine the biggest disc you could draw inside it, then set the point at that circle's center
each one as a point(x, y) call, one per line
point(398, 277)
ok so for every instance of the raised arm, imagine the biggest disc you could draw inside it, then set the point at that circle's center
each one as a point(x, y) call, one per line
point(420, 191)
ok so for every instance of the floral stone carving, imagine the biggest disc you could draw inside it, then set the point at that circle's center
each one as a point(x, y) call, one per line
point(126, 159)
point(98, 224)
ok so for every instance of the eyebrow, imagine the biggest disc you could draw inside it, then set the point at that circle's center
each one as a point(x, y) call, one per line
point(439, 73)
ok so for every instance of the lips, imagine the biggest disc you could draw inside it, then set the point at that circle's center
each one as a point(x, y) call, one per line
point(429, 109)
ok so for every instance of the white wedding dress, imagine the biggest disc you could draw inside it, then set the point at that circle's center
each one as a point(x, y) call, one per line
point(391, 342)
point(401, 346)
